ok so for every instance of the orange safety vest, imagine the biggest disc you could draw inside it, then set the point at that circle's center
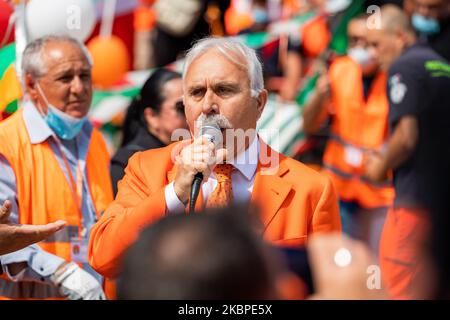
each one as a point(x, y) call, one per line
point(43, 192)
point(359, 126)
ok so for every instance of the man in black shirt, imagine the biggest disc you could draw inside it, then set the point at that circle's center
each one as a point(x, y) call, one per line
point(419, 118)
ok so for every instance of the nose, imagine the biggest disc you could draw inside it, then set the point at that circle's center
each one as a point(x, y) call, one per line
point(423, 10)
point(77, 85)
point(210, 105)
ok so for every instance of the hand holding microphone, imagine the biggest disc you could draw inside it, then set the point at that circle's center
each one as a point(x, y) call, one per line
point(198, 158)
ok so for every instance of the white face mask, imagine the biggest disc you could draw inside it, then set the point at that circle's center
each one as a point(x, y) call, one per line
point(360, 55)
point(335, 6)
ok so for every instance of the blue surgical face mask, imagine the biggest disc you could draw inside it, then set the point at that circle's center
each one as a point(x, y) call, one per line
point(425, 25)
point(260, 16)
point(360, 55)
point(66, 127)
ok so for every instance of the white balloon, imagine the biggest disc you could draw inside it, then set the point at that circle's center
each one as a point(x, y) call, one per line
point(335, 6)
point(75, 18)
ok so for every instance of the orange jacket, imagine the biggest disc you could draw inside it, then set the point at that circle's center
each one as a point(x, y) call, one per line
point(43, 192)
point(295, 202)
point(358, 127)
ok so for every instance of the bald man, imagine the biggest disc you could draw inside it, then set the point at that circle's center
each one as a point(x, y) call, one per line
point(419, 121)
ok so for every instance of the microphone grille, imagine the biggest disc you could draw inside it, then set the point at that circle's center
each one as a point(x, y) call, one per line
point(212, 132)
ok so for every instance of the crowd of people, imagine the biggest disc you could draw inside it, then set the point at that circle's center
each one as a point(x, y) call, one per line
point(368, 192)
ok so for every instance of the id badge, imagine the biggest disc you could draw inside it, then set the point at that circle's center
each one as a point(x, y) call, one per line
point(353, 156)
point(79, 250)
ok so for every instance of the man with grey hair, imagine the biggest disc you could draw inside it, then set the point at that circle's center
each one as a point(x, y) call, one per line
point(54, 166)
point(223, 88)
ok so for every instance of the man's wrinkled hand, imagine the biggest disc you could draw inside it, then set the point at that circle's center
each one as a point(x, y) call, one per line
point(198, 156)
point(14, 237)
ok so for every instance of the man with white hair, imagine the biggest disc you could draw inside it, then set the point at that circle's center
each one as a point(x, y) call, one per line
point(223, 86)
point(54, 166)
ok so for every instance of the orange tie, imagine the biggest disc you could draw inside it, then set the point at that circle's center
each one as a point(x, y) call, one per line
point(223, 193)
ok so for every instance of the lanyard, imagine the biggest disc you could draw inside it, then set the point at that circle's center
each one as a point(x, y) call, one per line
point(76, 186)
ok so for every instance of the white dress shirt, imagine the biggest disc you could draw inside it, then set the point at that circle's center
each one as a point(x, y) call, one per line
point(242, 179)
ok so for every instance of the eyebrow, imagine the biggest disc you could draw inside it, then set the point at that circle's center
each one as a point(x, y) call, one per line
point(229, 85)
point(70, 71)
point(226, 84)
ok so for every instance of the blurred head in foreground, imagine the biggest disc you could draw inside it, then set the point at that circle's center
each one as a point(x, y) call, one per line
point(214, 255)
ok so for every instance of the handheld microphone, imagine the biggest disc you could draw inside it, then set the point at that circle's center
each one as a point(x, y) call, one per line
point(210, 131)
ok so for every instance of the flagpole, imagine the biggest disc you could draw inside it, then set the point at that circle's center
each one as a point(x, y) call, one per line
point(21, 36)
point(109, 8)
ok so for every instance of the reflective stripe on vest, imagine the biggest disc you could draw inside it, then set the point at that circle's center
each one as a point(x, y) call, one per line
point(346, 175)
point(349, 176)
point(348, 144)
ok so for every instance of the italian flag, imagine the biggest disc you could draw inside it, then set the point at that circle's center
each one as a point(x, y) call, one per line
point(10, 91)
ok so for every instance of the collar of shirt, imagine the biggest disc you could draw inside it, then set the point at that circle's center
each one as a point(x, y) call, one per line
point(246, 162)
point(38, 129)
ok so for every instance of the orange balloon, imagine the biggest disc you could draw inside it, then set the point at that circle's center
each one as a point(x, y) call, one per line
point(111, 60)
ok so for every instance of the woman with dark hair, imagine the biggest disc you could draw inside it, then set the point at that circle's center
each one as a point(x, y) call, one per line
point(151, 118)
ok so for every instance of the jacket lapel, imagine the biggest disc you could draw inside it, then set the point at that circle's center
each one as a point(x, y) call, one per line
point(269, 188)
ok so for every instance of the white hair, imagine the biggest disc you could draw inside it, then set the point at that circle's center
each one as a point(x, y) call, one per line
point(32, 62)
point(230, 47)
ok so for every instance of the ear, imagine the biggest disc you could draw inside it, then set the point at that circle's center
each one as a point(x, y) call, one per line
point(151, 117)
point(30, 87)
point(261, 102)
point(402, 39)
